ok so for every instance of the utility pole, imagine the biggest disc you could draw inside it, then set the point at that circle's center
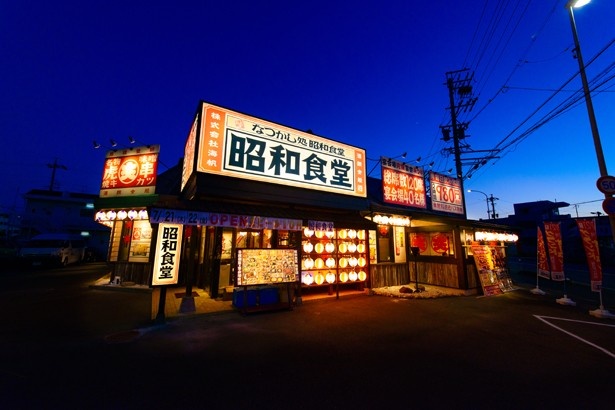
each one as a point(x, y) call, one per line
point(492, 199)
point(54, 167)
point(460, 100)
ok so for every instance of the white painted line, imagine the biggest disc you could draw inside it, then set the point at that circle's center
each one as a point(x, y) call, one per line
point(542, 318)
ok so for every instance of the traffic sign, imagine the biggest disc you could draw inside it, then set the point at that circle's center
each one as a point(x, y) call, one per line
point(609, 206)
point(606, 184)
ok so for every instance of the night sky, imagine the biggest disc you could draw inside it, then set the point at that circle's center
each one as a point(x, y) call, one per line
point(370, 74)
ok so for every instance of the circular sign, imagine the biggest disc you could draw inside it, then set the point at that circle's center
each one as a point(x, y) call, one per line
point(609, 206)
point(606, 184)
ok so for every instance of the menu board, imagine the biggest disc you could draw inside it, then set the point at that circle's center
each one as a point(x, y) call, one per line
point(266, 266)
point(492, 273)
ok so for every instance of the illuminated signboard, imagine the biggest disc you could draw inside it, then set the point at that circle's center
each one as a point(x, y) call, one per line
point(182, 216)
point(168, 251)
point(240, 146)
point(130, 172)
point(402, 184)
point(446, 194)
point(188, 165)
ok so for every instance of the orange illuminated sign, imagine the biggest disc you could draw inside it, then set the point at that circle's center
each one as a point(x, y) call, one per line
point(130, 172)
point(241, 146)
point(402, 184)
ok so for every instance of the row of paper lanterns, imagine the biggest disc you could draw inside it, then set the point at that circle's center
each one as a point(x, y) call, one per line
point(320, 278)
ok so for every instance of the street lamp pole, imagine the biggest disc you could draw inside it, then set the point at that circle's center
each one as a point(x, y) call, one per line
point(486, 199)
point(601, 312)
point(588, 100)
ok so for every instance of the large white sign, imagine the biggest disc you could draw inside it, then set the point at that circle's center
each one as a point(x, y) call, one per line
point(168, 252)
point(240, 146)
point(446, 194)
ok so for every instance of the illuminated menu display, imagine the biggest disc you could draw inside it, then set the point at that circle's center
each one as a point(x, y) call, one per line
point(403, 184)
point(240, 146)
point(446, 194)
point(130, 172)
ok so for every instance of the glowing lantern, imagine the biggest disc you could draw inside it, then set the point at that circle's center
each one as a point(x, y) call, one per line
point(352, 248)
point(330, 247)
point(308, 232)
point(308, 247)
point(330, 278)
point(308, 263)
point(319, 278)
point(330, 262)
point(352, 233)
point(362, 276)
point(308, 279)
point(353, 276)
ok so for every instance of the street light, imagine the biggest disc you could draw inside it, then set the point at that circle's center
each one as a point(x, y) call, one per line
point(575, 4)
point(486, 199)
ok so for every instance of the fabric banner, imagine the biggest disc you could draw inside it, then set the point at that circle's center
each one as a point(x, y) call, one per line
point(587, 229)
point(556, 253)
point(543, 265)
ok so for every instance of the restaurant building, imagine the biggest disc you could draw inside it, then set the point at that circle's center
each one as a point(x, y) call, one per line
point(257, 206)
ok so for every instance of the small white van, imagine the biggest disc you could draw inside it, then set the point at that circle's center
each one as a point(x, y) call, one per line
point(53, 249)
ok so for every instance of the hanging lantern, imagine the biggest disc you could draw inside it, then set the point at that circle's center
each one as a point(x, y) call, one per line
point(362, 275)
point(344, 277)
point(308, 232)
point(121, 215)
point(352, 233)
point(132, 214)
point(308, 247)
point(330, 262)
point(352, 247)
point(308, 263)
point(330, 247)
point(330, 278)
point(353, 276)
point(307, 278)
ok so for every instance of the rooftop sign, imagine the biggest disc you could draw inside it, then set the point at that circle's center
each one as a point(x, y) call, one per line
point(240, 146)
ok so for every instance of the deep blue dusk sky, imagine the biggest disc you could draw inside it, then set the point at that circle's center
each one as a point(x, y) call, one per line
point(367, 73)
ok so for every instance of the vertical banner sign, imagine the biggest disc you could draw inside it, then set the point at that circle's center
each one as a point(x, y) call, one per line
point(168, 251)
point(402, 184)
point(240, 146)
point(543, 264)
point(446, 194)
point(130, 172)
point(189, 148)
point(556, 252)
point(587, 229)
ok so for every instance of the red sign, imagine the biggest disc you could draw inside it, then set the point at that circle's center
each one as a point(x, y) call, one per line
point(587, 229)
point(403, 184)
point(608, 205)
point(556, 252)
point(543, 265)
point(130, 172)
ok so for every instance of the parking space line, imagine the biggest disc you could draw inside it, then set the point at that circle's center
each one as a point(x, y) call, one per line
point(543, 319)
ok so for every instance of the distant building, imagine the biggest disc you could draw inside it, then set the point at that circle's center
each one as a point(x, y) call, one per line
point(64, 212)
